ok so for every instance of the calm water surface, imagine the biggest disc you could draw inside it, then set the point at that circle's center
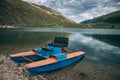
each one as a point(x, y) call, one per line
point(68, 30)
point(102, 47)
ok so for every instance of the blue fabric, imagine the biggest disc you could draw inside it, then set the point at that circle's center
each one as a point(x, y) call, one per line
point(60, 56)
point(42, 53)
point(37, 50)
point(55, 49)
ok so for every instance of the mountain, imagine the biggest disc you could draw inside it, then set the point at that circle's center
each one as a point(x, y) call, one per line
point(111, 20)
point(22, 14)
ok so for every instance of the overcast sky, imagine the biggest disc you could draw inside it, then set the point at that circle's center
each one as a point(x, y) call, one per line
point(80, 10)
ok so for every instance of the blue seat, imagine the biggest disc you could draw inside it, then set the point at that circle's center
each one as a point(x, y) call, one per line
point(60, 56)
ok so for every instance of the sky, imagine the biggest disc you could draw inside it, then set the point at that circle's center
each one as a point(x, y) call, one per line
point(80, 10)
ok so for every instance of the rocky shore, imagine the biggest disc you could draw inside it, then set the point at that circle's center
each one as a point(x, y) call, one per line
point(7, 26)
point(11, 71)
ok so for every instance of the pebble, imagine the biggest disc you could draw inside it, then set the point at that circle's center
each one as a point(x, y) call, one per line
point(82, 74)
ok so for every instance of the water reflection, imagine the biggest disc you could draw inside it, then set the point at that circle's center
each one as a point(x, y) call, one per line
point(95, 49)
point(91, 42)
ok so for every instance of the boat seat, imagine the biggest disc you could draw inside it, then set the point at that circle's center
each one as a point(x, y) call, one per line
point(57, 45)
point(43, 52)
point(60, 56)
point(59, 42)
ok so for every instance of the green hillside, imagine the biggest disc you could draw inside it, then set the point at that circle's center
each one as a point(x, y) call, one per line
point(22, 14)
point(111, 20)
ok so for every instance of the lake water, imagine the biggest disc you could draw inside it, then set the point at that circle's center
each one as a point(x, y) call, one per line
point(102, 47)
point(67, 30)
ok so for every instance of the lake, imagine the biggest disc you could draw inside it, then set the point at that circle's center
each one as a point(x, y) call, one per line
point(102, 47)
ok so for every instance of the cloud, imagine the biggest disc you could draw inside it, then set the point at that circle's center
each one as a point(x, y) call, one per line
point(79, 10)
point(93, 43)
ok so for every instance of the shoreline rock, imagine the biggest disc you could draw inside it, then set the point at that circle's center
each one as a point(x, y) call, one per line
point(11, 71)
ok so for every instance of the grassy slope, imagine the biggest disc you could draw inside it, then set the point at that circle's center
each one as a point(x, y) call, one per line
point(23, 14)
point(111, 20)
